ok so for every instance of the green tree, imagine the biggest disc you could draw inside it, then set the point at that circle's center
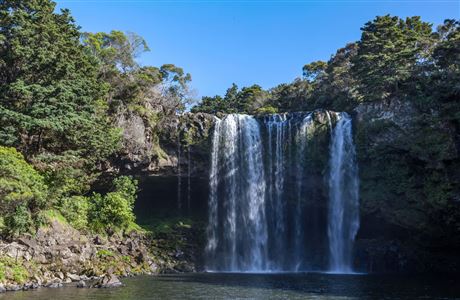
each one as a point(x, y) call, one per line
point(251, 98)
point(314, 71)
point(446, 56)
point(115, 50)
point(49, 92)
point(294, 96)
point(213, 105)
point(210, 105)
point(175, 88)
point(116, 53)
point(388, 53)
point(336, 88)
point(75, 210)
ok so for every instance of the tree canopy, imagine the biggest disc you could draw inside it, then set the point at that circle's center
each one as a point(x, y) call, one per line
point(403, 58)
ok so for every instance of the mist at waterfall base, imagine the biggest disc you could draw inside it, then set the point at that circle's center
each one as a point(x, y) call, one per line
point(265, 208)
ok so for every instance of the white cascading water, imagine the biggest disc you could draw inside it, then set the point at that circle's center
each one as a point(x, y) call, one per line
point(213, 181)
point(262, 217)
point(237, 157)
point(343, 214)
point(301, 140)
point(276, 125)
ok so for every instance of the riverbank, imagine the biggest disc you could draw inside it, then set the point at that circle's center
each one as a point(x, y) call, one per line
point(59, 254)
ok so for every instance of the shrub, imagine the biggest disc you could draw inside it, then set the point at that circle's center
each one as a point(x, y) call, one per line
point(127, 187)
point(19, 220)
point(75, 210)
point(115, 209)
point(23, 191)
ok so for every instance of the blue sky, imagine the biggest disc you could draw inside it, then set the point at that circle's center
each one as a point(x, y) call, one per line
point(246, 42)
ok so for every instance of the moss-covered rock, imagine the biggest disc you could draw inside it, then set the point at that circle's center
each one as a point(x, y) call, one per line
point(409, 180)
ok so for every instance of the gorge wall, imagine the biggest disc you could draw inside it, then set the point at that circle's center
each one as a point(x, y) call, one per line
point(409, 189)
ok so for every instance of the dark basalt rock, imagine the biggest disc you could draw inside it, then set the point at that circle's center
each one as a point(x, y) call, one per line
point(108, 281)
point(54, 285)
point(408, 163)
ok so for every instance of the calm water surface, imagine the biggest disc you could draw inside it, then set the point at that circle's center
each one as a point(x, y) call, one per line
point(261, 286)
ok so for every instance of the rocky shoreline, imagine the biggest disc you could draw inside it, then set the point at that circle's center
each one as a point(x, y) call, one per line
point(58, 255)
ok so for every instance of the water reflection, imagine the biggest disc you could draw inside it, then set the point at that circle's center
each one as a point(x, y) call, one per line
point(261, 286)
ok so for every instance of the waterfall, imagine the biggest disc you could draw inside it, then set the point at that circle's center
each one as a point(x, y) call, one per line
point(237, 160)
point(277, 125)
point(343, 212)
point(213, 182)
point(263, 190)
point(301, 141)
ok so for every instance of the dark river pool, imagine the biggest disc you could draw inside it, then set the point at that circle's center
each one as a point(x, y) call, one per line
point(261, 286)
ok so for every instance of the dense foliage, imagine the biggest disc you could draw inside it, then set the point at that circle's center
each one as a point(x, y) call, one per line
point(64, 97)
point(22, 191)
point(115, 209)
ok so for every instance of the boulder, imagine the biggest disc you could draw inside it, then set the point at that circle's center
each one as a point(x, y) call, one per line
point(108, 281)
point(54, 285)
point(28, 241)
point(12, 287)
point(73, 277)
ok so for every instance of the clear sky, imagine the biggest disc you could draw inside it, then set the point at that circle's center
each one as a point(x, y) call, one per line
point(246, 42)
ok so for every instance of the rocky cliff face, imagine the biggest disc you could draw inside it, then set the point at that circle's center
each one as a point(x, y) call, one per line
point(167, 149)
point(410, 201)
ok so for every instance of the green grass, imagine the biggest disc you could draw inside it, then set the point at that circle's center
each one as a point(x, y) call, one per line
point(102, 253)
point(162, 226)
point(133, 226)
point(54, 215)
point(13, 270)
